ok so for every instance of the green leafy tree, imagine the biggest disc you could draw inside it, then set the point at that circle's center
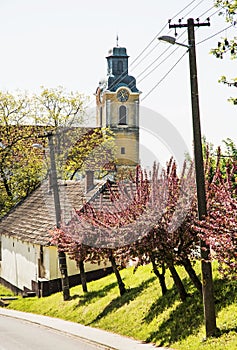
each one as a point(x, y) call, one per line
point(25, 120)
point(16, 154)
point(228, 9)
point(59, 108)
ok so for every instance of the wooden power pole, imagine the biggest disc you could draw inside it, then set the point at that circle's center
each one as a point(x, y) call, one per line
point(207, 280)
point(54, 183)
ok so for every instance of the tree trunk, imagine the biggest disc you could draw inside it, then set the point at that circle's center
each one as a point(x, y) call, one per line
point(192, 274)
point(83, 276)
point(178, 283)
point(161, 276)
point(117, 274)
point(5, 182)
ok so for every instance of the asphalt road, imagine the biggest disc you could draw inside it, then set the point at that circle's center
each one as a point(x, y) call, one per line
point(19, 334)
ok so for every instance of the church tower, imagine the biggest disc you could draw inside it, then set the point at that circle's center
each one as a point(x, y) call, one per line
point(117, 107)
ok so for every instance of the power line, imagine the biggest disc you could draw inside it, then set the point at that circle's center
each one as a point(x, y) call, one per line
point(167, 49)
point(212, 36)
point(151, 64)
point(170, 55)
point(141, 53)
point(158, 43)
point(155, 86)
point(117, 80)
point(152, 41)
point(159, 34)
point(121, 75)
point(194, 8)
point(174, 26)
point(183, 9)
point(149, 73)
point(208, 11)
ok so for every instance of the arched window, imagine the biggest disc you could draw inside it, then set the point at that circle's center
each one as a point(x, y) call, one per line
point(120, 67)
point(122, 115)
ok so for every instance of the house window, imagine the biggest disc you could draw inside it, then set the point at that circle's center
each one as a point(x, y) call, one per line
point(41, 255)
point(0, 248)
point(41, 269)
point(100, 116)
point(122, 150)
point(122, 115)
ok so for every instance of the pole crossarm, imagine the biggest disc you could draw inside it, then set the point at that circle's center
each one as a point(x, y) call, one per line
point(185, 25)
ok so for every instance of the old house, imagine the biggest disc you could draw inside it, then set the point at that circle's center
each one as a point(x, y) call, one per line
point(28, 261)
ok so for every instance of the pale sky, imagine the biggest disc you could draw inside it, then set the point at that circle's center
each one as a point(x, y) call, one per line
point(65, 42)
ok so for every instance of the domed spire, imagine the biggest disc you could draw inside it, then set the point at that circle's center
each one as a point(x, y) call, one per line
point(117, 69)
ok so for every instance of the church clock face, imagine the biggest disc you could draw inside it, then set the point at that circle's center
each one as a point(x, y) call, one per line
point(122, 95)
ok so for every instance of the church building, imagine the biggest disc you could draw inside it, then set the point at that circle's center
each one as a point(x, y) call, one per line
point(117, 107)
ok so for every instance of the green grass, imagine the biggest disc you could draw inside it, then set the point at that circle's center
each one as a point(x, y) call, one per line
point(5, 292)
point(142, 313)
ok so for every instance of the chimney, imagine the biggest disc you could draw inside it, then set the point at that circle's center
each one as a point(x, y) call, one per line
point(89, 180)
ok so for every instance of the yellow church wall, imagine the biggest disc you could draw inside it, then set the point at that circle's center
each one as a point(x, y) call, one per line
point(130, 142)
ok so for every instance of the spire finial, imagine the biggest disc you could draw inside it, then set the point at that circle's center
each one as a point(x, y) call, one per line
point(117, 39)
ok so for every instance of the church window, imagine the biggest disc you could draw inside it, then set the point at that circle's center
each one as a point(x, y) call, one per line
point(122, 150)
point(120, 67)
point(122, 115)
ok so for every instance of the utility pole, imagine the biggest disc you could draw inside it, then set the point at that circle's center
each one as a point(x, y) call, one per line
point(54, 183)
point(207, 280)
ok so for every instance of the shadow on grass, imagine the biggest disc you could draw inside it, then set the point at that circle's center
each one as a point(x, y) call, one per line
point(118, 302)
point(187, 316)
point(88, 297)
point(184, 320)
point(161, 304)
point(225, 293)
point(228, 330)
point(166, 301)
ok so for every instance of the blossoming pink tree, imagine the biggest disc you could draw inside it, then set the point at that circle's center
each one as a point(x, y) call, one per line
point(219, 230)
point(145, 219)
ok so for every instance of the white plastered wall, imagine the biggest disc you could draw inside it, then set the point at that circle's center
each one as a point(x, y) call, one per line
point(19, 265)
point(19, 262)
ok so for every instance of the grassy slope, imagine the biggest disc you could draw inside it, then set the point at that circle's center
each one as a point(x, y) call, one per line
point(142, 313)
point(4, 292)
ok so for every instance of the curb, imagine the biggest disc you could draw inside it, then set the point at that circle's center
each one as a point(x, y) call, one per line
point(97, 336)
